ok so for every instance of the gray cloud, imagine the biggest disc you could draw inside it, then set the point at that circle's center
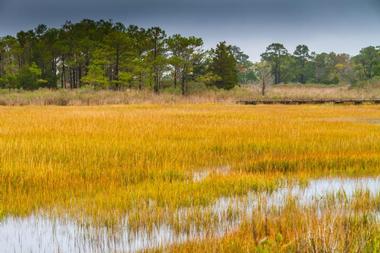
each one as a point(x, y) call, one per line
point(341, 25)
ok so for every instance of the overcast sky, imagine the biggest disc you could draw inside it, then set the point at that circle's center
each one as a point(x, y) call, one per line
point(324, 25)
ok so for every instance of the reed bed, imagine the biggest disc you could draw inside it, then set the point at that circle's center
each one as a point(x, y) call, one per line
point(331, 224)
point(100, 164)
point(88, 96)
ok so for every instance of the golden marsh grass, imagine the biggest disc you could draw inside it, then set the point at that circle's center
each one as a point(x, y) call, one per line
point(99, 164)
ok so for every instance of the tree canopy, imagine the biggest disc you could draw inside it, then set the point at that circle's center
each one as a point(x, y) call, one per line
point(103, 54)
point(224, 65)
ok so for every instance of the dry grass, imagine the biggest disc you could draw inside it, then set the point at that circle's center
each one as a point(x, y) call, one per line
point(108, 97)
point(315, 91)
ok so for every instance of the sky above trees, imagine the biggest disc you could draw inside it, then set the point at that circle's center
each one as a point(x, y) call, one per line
point(324, 25)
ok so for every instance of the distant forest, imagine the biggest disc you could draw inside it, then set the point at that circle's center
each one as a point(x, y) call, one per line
point(103, 54)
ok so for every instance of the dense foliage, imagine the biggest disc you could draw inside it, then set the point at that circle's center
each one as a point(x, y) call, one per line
point(304, 66)
point(224, 66)
point(103, 54)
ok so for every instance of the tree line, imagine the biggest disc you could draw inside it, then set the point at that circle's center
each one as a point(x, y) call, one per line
point(104, 54)
point(304, 66)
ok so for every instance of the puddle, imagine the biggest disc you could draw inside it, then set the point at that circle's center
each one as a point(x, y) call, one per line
point(41, 234)
point(201, 175)
point(38, 233)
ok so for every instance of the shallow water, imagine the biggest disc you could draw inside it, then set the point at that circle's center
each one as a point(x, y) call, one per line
point(39, 233)
point(201, 175)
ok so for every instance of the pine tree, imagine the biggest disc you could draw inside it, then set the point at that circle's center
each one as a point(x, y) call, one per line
point(224, 66)
point(276, 54)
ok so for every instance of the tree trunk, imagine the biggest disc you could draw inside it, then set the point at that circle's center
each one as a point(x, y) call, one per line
point(183, 84)
point(263, 87)
point(303, 72)
point(140, 81)
point(79, 76)
point(74, 78)
point(71, 78)
point(277, 74)
point(54, 70)
point(63, 73)
point(117, 63)
point(175, 77)
point(86, 64)
point(155, 70)
point(156, 82)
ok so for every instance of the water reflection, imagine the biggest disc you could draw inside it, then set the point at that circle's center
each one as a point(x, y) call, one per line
point(39, 233)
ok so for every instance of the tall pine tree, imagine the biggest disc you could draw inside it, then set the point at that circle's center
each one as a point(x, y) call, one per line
point(224, 66)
